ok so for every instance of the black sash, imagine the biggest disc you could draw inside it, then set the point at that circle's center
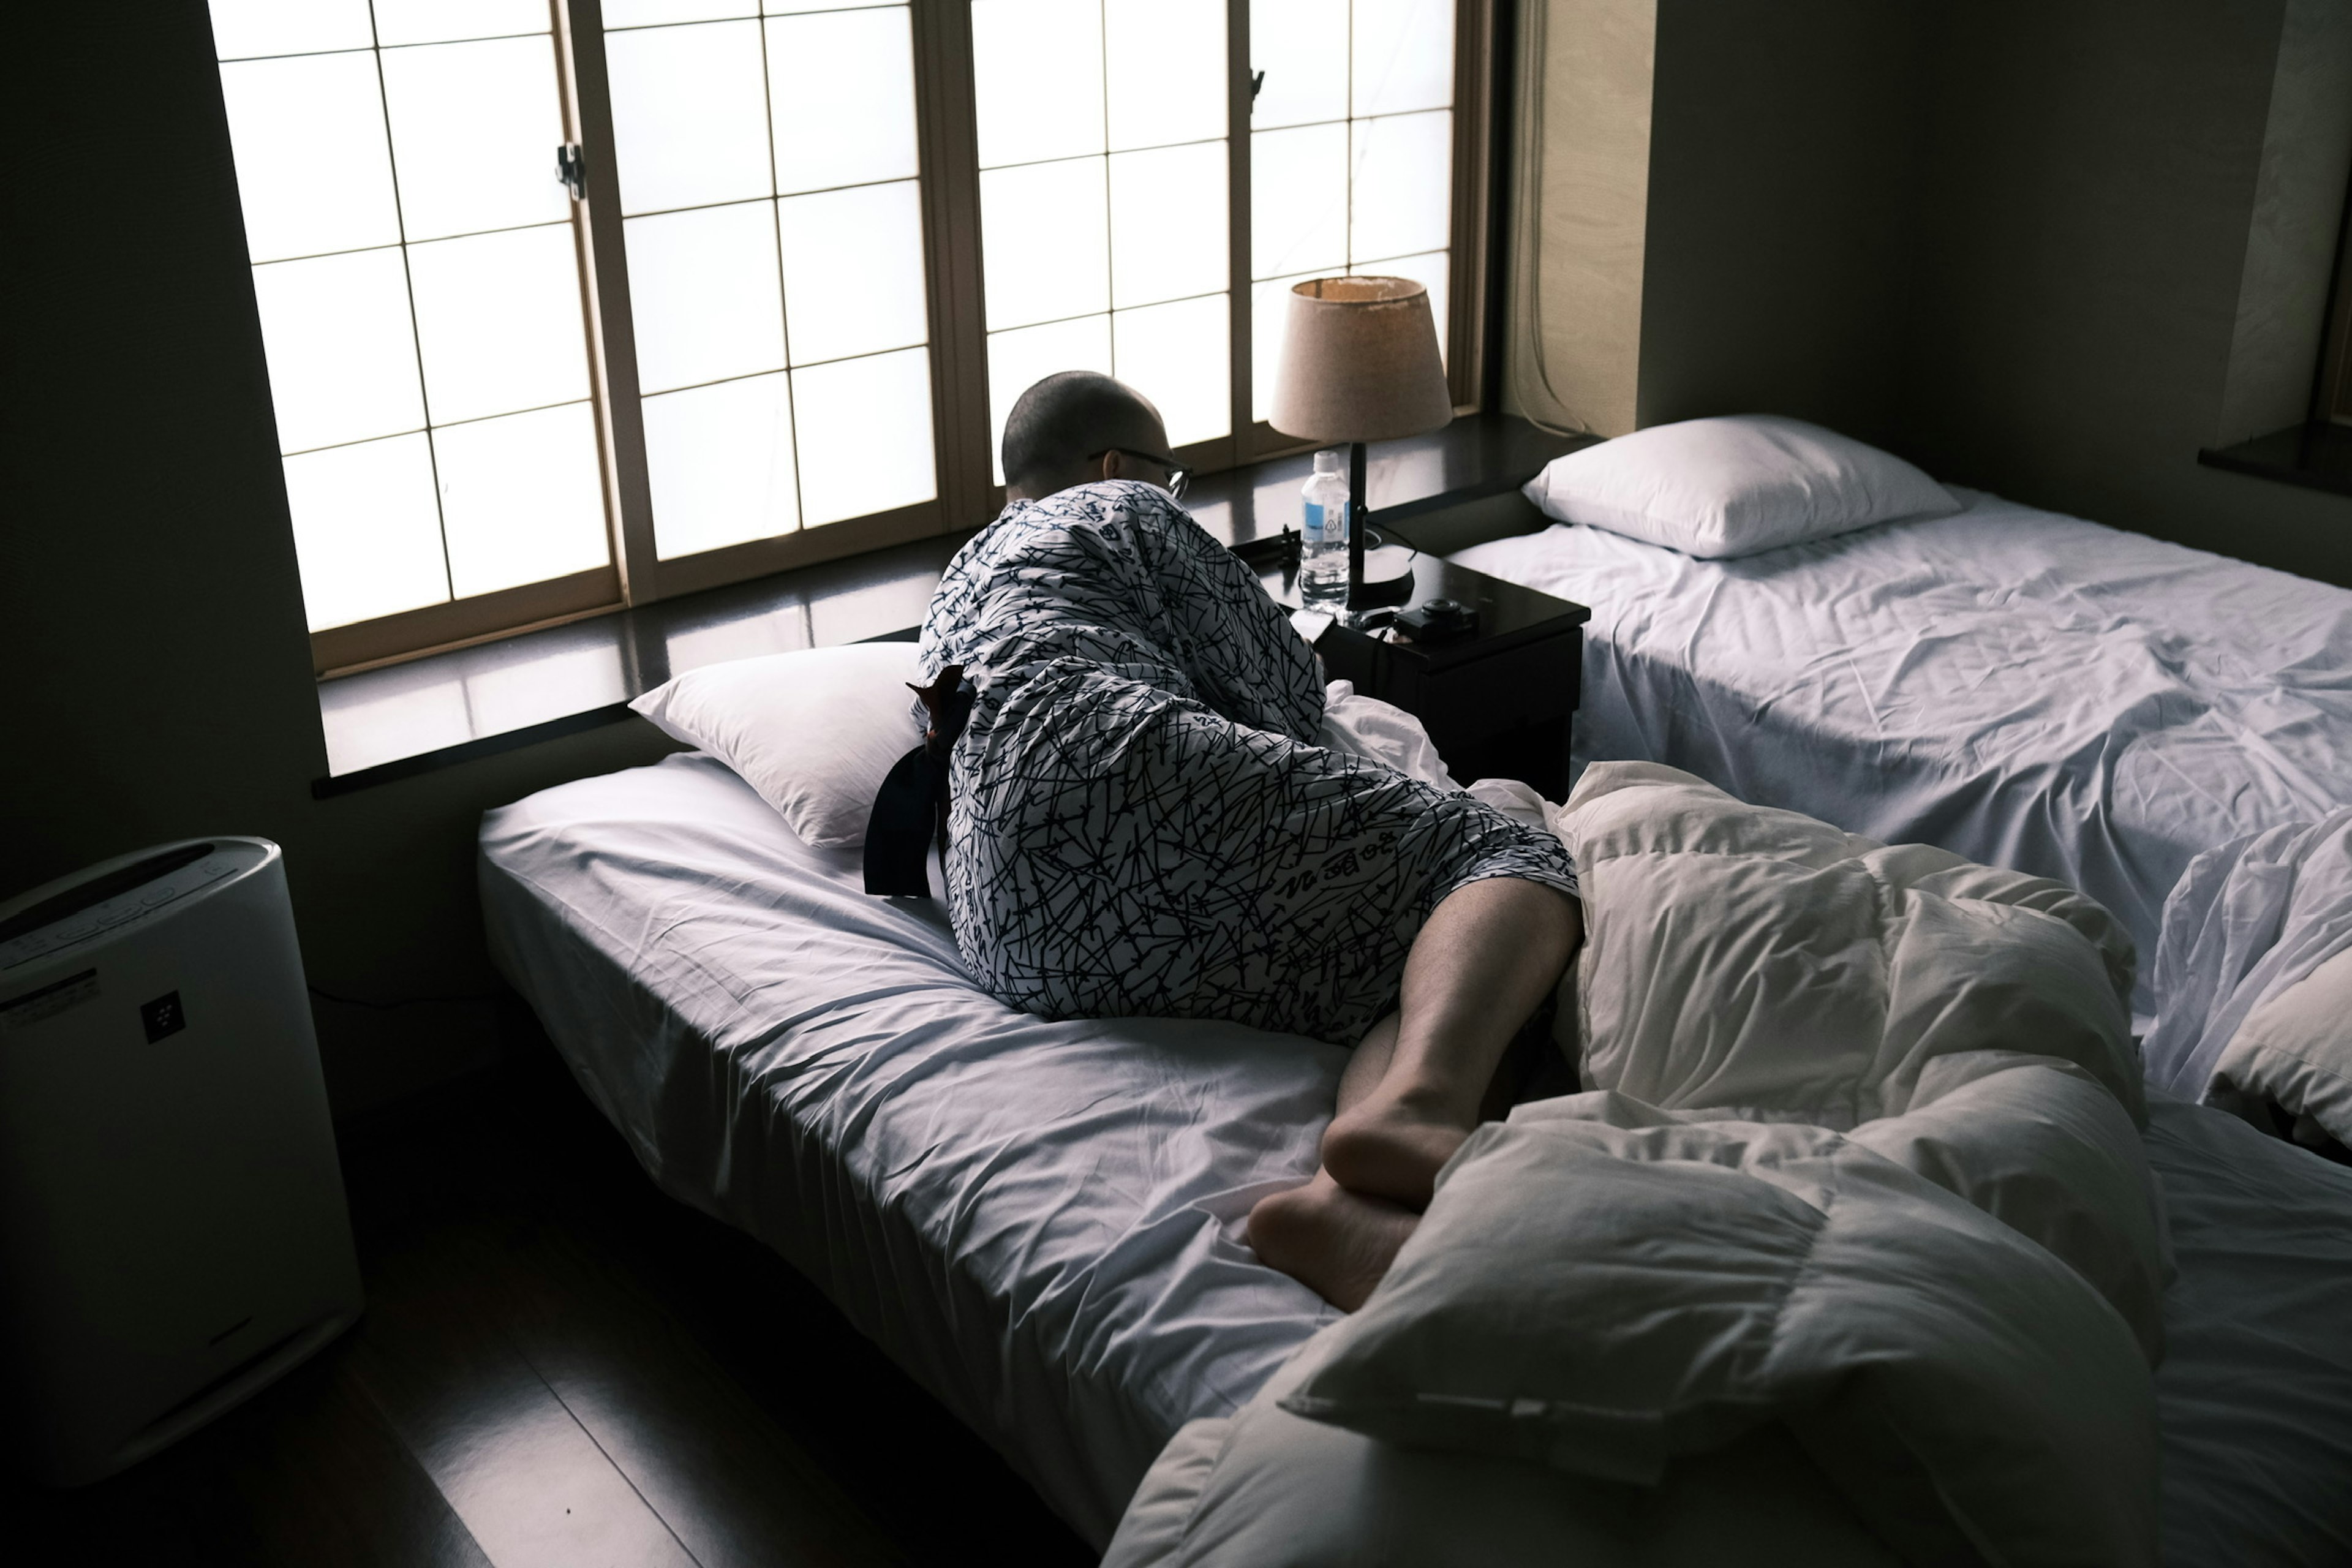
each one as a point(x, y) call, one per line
point(910, 810)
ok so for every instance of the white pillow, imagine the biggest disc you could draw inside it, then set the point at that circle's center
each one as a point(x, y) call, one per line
point(1717, 489)
point(2295, 1051)
point(815, 733)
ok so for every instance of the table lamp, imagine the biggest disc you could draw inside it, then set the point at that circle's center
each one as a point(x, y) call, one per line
point(1360, 363)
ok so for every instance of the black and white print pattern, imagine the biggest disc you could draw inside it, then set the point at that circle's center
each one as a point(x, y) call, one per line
point(1141, 822)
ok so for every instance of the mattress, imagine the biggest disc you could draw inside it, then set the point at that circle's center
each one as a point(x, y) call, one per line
point(1042, 1222)
point(2024, 689)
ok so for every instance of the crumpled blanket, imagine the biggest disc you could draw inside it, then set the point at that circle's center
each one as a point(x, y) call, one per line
point(1852, 1241)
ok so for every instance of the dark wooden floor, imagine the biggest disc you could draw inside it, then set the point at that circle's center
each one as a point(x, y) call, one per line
point(558, 1366)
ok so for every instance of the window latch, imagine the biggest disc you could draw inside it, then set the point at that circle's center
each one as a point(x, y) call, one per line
point(571, 168)
point(1257, 80)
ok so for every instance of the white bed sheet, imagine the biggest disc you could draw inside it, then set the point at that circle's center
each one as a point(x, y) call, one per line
point(1042, 1222)
point(2024, 689)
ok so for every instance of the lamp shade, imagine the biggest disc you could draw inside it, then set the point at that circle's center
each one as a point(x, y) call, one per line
point(1359, 362)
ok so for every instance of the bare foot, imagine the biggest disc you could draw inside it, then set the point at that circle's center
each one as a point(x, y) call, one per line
point(1336, 1243)
point(1387, 1146)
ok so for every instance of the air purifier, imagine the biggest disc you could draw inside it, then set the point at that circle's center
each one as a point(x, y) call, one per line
point(172, 1231)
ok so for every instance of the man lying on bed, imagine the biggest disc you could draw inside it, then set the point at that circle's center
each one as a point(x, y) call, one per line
point(1140, 823)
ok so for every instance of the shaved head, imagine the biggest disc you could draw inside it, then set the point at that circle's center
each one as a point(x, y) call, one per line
point(1066, 419)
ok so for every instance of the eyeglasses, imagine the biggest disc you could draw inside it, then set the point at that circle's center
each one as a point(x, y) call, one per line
point(1178, 477)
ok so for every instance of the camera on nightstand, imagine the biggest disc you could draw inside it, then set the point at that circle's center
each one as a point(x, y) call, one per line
point(1437, 622)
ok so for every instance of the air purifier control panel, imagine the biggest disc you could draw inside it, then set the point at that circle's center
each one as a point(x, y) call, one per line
point(115, 897)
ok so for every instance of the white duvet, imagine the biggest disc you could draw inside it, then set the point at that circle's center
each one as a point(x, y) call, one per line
point(1854, 1242)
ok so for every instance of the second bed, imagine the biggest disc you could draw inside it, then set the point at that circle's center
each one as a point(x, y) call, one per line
point(2023, 688)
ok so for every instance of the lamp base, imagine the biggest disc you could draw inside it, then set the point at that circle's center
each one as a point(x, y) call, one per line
point(1386, 580)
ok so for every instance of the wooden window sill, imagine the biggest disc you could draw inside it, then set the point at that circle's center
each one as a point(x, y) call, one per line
point(2317, 456)
point(392, 723)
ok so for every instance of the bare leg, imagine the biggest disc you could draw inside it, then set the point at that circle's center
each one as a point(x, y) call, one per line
point(1341, 1242)
point(1480, 966)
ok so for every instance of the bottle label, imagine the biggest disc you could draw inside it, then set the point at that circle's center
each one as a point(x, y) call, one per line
point(1318, 529)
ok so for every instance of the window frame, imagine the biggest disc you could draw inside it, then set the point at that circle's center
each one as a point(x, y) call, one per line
point(949, 174)
point(2331, 398)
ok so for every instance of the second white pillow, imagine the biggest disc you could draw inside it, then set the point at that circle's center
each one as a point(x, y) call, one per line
point(1716, 489)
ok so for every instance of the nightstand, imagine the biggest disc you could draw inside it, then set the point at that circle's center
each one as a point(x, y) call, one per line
point(1498, 704)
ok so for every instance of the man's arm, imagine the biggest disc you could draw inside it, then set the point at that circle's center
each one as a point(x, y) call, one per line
point(1248, 661)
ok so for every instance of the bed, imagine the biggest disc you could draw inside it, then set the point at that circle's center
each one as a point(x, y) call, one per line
point(2025, 689)
point(1042, 1222)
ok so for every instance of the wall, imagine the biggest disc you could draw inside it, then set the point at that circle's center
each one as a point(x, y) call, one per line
point(1725, 189)
point(149, 596)
point(1782, 190)
point(2282, 290)
point(2008, 240)
point(2092, 170)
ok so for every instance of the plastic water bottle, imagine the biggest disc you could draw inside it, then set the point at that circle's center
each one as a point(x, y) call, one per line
point(1323, 543)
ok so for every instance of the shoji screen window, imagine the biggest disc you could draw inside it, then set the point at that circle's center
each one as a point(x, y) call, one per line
point(1352, 153)
point(774, 236)
point(1103, 191)
point(414, 263)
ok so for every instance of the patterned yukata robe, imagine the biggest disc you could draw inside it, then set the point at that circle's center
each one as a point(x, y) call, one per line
point(1140, 822)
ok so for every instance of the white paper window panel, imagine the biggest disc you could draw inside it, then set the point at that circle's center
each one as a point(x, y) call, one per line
point(863, 430)
point(690, 115)
point(854, 272)
point(1180, 355)
point(1168, 224)
point(499, 320)
point(1404, 56)
point(1017, 360)
point(343, 354)
point(366, 532)
point(1037, 79)
point(443, 21)
point(1044, 232)
point(1298, 200)
point(522, 498)
point(1401, 200)
point(1166, 75)
point(841, 94)
point(720, 463)
point(1177, 355)
point(706, 295)
point(474, 133)
point(313, 172)
point(242, 29)
point(1302, 47)
point(655, 13)
point(1270, 315)
point(660, 12)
